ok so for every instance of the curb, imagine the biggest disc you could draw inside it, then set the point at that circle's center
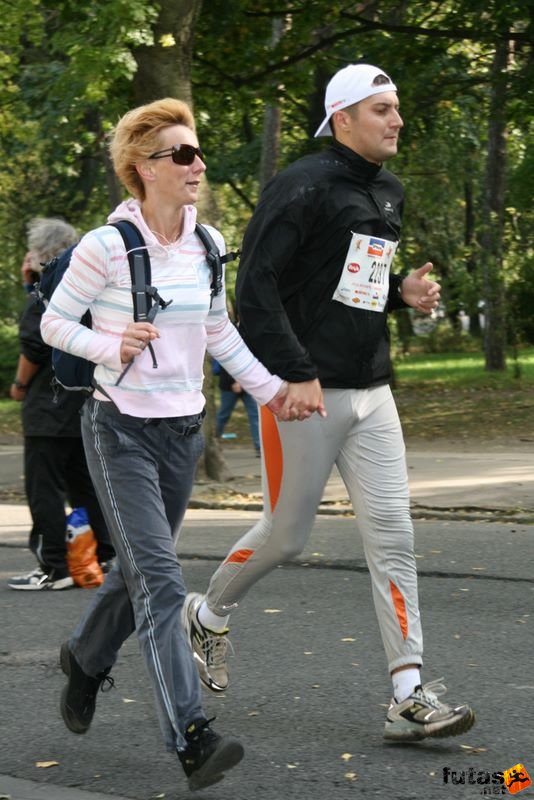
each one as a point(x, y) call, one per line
point(335, 508)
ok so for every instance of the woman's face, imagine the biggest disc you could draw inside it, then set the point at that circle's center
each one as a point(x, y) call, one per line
point(176, 184)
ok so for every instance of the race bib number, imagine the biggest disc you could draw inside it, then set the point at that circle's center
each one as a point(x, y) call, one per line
point(364, 282)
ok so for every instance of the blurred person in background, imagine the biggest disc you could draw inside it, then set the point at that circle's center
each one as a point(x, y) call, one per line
point(230, 392)
point(55, 468)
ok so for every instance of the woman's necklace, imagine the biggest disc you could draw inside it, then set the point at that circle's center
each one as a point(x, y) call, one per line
point(162, 236)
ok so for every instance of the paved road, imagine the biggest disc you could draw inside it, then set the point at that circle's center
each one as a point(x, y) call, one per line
point(309, 683)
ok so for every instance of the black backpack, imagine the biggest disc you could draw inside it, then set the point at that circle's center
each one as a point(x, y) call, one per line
point(76, 373)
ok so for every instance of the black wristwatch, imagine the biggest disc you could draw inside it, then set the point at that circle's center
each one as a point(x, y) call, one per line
point(19, 385)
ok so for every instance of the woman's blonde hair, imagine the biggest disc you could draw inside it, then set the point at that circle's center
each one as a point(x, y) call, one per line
point(136, 136)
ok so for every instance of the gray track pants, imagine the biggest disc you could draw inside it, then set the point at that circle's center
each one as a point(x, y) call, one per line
point(362, 436)
point(143, 476)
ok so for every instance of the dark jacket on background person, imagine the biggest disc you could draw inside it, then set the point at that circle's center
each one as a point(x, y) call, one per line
point(292, 258)
point(55, 467)
point(47, 409)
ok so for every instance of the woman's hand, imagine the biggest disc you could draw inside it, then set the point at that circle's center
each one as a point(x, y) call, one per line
point(298, 401)
point(135, 338)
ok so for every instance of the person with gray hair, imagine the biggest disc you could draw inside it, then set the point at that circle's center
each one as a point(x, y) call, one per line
point(46, 238)
point(55, 468)
point(49, 236)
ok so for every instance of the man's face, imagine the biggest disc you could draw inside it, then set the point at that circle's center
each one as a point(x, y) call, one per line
point(371, 127)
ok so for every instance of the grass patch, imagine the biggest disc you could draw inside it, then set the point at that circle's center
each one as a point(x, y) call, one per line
point(444, 397)
point(451, 396)
point(10, 420)
point(464, 370)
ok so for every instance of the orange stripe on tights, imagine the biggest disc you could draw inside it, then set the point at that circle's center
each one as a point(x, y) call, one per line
point(400, 609)
point(272, 455)
point(239, 556)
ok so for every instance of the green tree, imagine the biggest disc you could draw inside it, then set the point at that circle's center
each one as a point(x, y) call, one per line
point(69, 70)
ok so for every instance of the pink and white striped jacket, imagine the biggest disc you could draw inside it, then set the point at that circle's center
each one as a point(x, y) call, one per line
point(98, 278)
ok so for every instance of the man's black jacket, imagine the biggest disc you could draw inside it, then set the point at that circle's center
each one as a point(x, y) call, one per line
point(293, 254)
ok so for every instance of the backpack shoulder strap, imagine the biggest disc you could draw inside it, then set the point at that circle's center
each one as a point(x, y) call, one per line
point(140, 270)
point(146, 300)
point(214, 259)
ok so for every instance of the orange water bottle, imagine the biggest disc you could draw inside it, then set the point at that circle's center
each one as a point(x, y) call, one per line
point(81, 551)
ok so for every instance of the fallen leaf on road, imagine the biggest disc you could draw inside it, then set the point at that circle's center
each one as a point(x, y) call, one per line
point(46, 764)
point(472, 749)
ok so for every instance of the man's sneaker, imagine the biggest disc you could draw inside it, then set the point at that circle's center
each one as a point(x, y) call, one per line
point(37, 580)
point(78, 698)
point(422, 715)
point(209, 648)
point(207, 755)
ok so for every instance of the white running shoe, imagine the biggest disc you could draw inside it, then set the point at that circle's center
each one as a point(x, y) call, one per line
point(209, 648)
point(422, 715)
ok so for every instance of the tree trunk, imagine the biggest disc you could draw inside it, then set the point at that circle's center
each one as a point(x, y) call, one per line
point(493, 220)
point(164, 70)
point(471, 260)
point(270, 147)
point(213, 465)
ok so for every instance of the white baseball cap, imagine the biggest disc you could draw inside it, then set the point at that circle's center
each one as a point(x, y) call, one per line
point(350, 85)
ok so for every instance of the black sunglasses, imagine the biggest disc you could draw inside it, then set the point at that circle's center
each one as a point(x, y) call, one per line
point(183, 154)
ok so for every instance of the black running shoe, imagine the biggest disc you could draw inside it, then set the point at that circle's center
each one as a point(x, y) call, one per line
point(78, 698)
point(207, 755)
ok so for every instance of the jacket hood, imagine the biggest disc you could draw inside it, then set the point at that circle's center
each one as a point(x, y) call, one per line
point(131, 209)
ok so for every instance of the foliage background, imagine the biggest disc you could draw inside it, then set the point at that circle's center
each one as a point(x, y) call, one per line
point(68, 70)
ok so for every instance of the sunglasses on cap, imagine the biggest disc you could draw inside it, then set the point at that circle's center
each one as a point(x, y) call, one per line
point(183, 154)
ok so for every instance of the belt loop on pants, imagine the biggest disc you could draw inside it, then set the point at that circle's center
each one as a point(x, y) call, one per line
point(176, 424)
